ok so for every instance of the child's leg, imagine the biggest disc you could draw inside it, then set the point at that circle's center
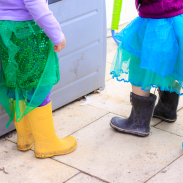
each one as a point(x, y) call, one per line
point(46, 101)
point(138, 91)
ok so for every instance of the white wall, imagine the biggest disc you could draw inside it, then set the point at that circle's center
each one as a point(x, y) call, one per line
point(128, 11)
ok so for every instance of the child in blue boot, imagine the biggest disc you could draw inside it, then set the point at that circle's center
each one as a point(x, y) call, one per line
point(151, 55)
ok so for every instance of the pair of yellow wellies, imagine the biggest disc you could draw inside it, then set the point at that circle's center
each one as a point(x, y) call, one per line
point(37, 128)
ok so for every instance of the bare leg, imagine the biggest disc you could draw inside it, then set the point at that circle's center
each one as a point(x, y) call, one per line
point(137, 90)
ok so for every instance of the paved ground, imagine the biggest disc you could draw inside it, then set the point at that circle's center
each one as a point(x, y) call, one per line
point(102, 155)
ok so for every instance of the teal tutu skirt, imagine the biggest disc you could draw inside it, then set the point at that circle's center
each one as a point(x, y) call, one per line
point(151, 54)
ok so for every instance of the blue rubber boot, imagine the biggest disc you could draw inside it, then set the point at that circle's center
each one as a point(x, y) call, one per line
point(166, 109)
point(138, 122)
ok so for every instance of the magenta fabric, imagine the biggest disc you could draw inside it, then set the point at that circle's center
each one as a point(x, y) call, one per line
point(46, 101)
point(23, 10)
point(158, 9)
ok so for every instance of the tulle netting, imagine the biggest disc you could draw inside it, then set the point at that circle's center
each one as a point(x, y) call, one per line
point(151, 54)
point(29, 67)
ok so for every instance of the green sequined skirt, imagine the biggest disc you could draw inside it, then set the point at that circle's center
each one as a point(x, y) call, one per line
point(29, 67)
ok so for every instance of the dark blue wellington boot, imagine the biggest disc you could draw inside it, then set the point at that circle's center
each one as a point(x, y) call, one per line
point(166, 109)
point(138, 122)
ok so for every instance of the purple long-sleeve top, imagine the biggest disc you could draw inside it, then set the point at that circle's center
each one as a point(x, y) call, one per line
point(23, 10)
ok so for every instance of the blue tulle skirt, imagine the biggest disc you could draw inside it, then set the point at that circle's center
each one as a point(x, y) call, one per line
point(151, 54)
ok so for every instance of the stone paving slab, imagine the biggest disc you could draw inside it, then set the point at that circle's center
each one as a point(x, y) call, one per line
point(71, 118)
point(176, 127)
point(171, 174)
point(119, 29)
point(116, 99)
point(111, 45)
point(180, 103)
point(24, 167)
point(107, 74)
point(117, 157)
point(83, 178)
point(110, 56)
point(74, 117)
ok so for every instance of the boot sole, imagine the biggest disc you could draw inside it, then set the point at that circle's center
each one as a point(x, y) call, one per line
point(129, 131)
point(25, 148)
point(48, 155)
point(164, 119)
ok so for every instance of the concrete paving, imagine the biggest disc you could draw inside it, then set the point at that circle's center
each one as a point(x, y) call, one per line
point(102, 155)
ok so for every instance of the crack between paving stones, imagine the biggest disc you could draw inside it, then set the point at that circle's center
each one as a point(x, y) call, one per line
point(94, 177)
point(16, 143)
point(89, 124)
point(72, 177)
point(167, 131)
point(106, 110)
point(108, 79)
point(81, 171)
point(158, 123)
point(179, 109)
point(52, 158)
point(11, 141)
point(163, 168)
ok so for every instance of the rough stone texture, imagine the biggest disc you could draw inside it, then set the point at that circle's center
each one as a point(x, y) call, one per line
point(171, 174)
point(118, 157)
point(176, 127)
point(20, 167)
point(83, 178)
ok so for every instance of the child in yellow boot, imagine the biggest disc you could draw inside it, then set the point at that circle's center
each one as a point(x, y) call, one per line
point(30, 36)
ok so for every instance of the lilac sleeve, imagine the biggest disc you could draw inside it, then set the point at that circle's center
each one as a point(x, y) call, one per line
point(45, 19)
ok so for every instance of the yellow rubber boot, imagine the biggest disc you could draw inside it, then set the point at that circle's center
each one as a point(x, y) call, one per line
point(47, 144)
point(25, 139)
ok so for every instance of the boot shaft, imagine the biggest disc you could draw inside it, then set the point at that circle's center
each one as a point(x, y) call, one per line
point(138, 122)
point(169, 101)
point(166, 109)
point(142, 109)
point(47, 144)
point(41, 122)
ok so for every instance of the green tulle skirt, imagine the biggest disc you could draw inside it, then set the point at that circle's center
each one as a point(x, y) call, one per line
point(29, 67)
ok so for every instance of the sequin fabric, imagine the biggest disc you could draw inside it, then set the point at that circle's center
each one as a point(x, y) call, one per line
point(29, 67)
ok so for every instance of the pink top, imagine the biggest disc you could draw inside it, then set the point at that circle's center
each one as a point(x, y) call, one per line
point(23, 10)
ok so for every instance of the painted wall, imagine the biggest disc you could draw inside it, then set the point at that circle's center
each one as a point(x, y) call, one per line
point(128, 13)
